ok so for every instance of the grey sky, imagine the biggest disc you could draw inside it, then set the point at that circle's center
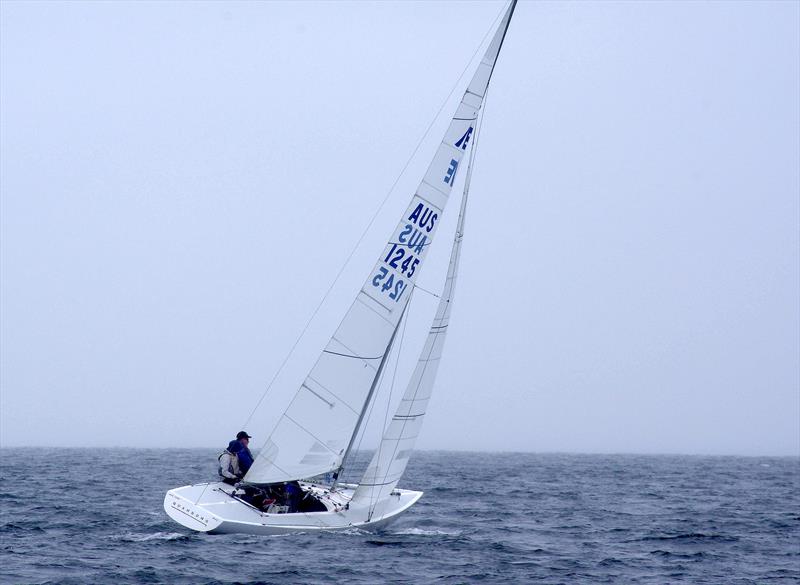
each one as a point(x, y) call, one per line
point(181, 183)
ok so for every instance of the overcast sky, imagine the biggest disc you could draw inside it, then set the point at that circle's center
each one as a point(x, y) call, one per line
point(181, 183)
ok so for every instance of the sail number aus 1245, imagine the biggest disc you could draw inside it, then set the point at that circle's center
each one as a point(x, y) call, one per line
point(405, 255)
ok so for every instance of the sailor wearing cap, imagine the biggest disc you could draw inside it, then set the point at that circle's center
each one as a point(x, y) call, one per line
point(244, 454)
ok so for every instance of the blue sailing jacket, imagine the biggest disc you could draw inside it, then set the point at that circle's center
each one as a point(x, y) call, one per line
point(245, 459)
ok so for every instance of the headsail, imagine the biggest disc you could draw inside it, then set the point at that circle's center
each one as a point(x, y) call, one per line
point(390, 459)
point(312, 435)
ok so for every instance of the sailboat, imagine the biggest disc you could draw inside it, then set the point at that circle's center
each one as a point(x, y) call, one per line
point(285, 490)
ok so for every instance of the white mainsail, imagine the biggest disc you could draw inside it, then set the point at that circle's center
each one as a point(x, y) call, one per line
point(313, 434)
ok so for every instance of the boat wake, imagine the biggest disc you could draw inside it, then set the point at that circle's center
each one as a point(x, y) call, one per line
point(423, 532)
point(165, 536)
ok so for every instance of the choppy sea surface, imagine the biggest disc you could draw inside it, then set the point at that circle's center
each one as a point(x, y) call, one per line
point(95, 516)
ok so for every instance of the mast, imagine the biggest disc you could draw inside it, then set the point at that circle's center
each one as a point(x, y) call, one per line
point(392, 456)
point(509, 16)
point(390, 459)
point(317, 429)
point(364, 409)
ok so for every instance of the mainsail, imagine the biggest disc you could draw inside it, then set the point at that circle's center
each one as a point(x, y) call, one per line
point(313, 434)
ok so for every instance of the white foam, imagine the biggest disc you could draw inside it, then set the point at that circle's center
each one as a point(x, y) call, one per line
point(131, 537)
point(422, 532)
point(354, 531)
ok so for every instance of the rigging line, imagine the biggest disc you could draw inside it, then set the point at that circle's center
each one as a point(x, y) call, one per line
point(391, 391)
point(357, 434)
point(369, 399)
point(459, 236)
point(372, 404)
point(425, 290)
point(363, 430)
point(369, 225)
point(473, 149)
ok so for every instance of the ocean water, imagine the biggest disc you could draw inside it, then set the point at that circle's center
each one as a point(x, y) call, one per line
point(95, 516)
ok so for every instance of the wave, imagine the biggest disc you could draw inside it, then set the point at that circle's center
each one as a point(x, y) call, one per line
point(133, 537)
point(688, 536)
point(670, 554)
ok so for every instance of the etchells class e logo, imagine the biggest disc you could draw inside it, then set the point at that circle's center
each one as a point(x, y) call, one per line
point(464, 140)
point(462, 143)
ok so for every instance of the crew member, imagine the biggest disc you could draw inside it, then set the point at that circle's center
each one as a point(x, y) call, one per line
point(229, 469)
point(244, 455)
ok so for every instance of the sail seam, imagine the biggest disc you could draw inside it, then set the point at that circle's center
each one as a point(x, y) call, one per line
point(432, 186)
point(347, 347)
point(425, 199)
point(372, 308)
point(347, 355)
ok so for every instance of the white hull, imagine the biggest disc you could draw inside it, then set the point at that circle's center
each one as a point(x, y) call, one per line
point(210, 507)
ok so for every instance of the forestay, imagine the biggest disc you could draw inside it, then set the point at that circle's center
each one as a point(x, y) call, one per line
point(313, 433)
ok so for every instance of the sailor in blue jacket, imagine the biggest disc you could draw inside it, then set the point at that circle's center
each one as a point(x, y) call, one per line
point(245, 456)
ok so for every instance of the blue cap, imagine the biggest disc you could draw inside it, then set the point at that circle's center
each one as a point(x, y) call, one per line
point(234, 446)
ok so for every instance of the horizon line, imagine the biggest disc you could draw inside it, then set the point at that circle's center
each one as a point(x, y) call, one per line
point(432, 450)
